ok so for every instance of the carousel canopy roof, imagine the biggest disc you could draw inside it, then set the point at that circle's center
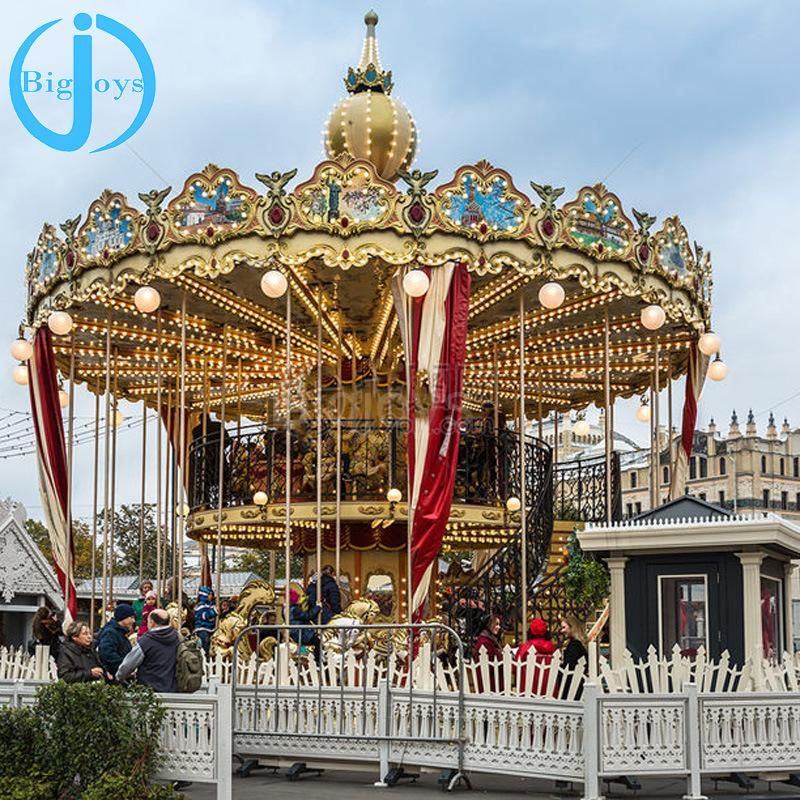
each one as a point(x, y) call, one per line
point(339, 236)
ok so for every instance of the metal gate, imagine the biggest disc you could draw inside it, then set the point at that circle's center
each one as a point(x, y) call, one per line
point(383, 694)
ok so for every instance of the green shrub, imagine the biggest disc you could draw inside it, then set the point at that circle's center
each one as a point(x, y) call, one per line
point(82, 740)
point(587, 582)
point(23, 788)
point(22, 736)
point(128, 787)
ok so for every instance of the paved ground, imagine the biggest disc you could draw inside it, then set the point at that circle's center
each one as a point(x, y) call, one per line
point(342, 785)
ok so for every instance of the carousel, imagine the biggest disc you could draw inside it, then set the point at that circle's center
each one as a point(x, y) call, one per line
point(354, 366)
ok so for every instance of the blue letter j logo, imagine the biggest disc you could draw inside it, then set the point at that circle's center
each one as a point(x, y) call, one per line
point(82, 84)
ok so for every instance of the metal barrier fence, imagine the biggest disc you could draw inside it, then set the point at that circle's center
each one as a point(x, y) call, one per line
point(367, 691)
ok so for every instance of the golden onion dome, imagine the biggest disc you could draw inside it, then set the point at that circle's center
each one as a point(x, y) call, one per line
point(369, 123)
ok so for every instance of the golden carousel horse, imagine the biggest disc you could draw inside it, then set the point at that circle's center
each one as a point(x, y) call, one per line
point(255, 593)
point(345, 629)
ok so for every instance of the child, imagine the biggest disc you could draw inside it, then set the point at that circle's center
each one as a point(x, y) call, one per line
point(205, 616)
point(149, 604)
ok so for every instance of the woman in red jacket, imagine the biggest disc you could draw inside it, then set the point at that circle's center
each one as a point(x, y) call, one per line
point(539, 641)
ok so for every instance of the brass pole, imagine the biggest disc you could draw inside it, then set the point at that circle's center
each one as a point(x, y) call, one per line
point(541, 410)
point(107, 464)
point(607, 415)
point(318, 509)
point(221, 466)
point(181, 461)
point(143, 492)
point(669, 425)
point(95, 483)
point(70, 447)
point(288, 462)
point(159, 425)
point(522, 474)
point(338, 490)
point(409, 475)
point(112, 544)
point(656, 422)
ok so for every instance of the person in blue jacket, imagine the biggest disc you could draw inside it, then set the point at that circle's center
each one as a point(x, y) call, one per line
point(112, 641)
point(205, 615)
point(331, 601)
point(301, 613)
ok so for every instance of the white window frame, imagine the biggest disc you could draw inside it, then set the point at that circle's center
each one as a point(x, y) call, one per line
point(661, 578)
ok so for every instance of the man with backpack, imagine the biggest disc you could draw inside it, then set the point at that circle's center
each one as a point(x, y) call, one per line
point(154, 658)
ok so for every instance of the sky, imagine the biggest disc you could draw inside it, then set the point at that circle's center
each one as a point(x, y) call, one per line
point(679, 107)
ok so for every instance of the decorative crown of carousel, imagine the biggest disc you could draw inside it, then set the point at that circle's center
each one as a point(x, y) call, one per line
point(310, 303)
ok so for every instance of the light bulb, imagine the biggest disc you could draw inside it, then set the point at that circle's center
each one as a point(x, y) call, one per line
point(513, 504)
point(581, 427)
point(182, 510)
point(21, 375)
point(718, 370)
point(260, 498)
point(643, 412)
point(60, 323)
point(416, 283)
point(394, 495)
point(21, 349)
point(551, 295)
point(119, 418)
point(147, 299)
point(709, 343)
point(63, 398)
point(274, 283)
point(653, 317)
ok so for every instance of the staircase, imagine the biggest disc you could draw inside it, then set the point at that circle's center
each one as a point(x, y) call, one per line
point(557, 501)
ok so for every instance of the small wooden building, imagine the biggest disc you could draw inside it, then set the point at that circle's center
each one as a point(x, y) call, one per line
point(691, 573)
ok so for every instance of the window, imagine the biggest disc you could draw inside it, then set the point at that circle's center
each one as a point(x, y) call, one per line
point(692, 468)
point(682, 613)
point(766, 498)
point(796, 467)
point(771, 616)
point(638, 508)
point(797, 502)
point(763, 463)
point(782, 467)
point(723, 466)
point(784, 501)
point(703, 467)
point(634, 477)
point(629, 509)
point(722, 498)
point(665, 475)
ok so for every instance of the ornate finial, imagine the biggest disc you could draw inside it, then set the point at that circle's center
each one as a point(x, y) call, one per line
point(751, 420)
point(369, 75)
point(645, 221)
point(771, 420)
point(734, 418)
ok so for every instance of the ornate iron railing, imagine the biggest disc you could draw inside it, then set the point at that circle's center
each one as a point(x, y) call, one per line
point(495, 588)
point(373, 460)
point(580, 489)
point(574, 490)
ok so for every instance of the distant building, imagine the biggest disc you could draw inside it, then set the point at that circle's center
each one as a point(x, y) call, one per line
point(738, 471)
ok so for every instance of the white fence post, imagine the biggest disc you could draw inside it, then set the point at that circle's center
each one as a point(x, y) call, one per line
point(224, 754)
point(384, 729)
point(693, 786)
point(41, 670)
point(591, 742)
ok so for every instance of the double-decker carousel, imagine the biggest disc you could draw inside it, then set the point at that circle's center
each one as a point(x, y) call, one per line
point(305, 342)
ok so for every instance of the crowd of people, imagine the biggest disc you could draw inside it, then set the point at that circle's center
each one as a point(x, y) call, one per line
point(540, 643)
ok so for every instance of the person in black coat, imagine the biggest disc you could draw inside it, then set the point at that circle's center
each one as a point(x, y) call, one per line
point(331, 596)
point(77, 662)
point(575, 634)
point(112, 641)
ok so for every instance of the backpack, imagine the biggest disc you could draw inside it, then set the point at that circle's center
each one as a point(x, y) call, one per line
point(189, 665)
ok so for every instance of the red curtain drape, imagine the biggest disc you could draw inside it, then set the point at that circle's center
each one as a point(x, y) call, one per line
point(432, 506)
point(51, 455)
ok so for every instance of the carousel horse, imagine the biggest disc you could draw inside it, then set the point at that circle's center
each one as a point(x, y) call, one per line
point(344, 628)
point(255, 593)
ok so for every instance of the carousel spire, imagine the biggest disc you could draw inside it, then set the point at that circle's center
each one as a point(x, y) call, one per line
point(370, 73)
